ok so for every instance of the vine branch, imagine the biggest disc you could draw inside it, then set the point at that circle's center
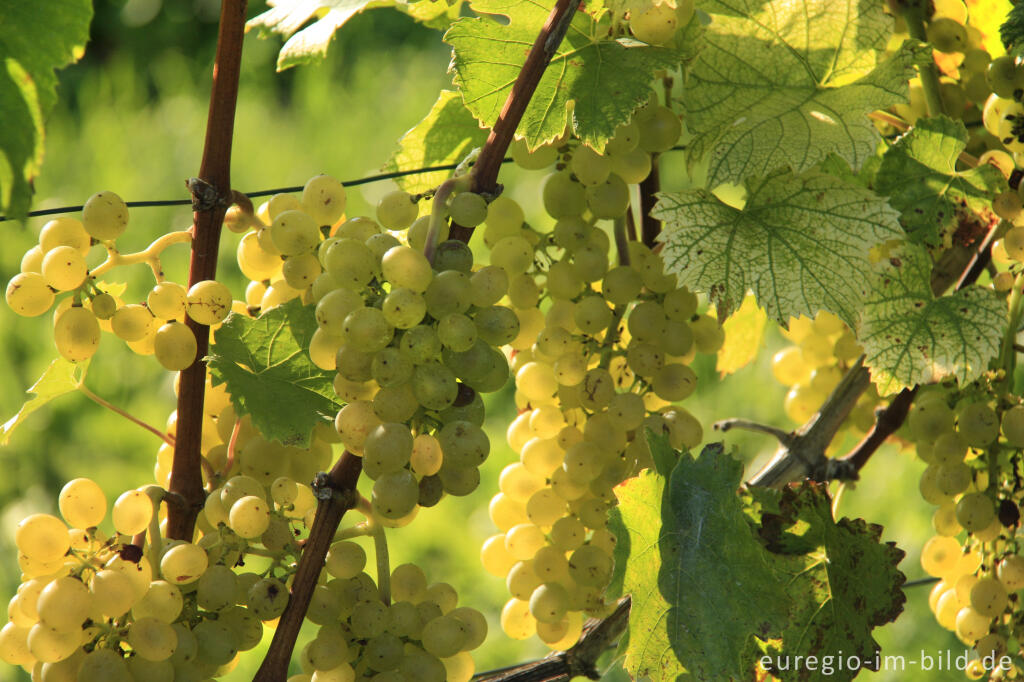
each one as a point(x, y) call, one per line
point(337, 493)
point(485, 171)
point(578, 661)
point(215, 173)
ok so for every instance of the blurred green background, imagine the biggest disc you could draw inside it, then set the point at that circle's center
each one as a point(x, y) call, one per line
point(131, 119)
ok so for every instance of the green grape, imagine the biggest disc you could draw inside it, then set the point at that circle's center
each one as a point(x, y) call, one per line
point(76, 334)
point(350, 262)
point(989, 597)
point(464, 444)
point(928, 420)
point(1002, 78)
point(333, 308)
point(408, 584)
point(514, 254)
point(540, 158)
point(396, 403)
point(1013, 426)
point(589, 167)
point(345, 559)
point(103, 665)
point(112, 592)
point(621, 285)
point(522, 579)
point(944, 520)
point(105, 216)
point(152, 639)
point(597, 389)
point(64, 604)
point(216, 643)
point(249, 517)
point(646, 322)
point(64, 268)
point(660, 128)
point(505, 215)
point(444, 636)
point(420, 344)
point(166, 301)
point(175, 346)
point(404, 266)
point(1013, 242)
point(563, 197)
point(294, 232)
point(633, 166)
point(47, 645)
point(545, 507)
point(537, 381)
point(82, 503)
point(183, 564)
point(132, 322)
point(497, 325)
point(975, 512)
point(255, 261)
point(324, 199)
point(947, 35)
point(32, 261)
point(572, 233)
point(390, 367)
point(368, 329)
point(64, 232)
point(949, 448)
point(563, 281)
point(452, 254)
point(609, 199)
point(468, 209)
point(978, 424)
point(369, 619)
point(940, 555)
point(281, 202)
point(29, 295)
point(209, 302)
point(216, 588)
point(14, 645)
point(397, 210)
point(301, 271)
point(549, 603)
point(457, 332)
point(1010, 571)
point(655, 25)
point(387, 449)
point(489, 284)
point(395, 494)
point(625, 139)
point(523, 540)
point(590, 566)
point(131, 512)
point(267, 599)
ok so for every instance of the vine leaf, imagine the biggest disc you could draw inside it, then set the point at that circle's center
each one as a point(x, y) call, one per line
point(309, 44)
point(701, 584)
point(266, 366)
point(593, 84)
point(447, 134)
point(842, 581)
point(911, 337)
point(744, 332)
point(801, 244)
point(1012, 31)
point(35, 39)
point(60, 378)
point(785, 83)
point(919, 175)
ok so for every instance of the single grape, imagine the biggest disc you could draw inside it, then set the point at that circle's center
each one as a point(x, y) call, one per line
point(209, 302)
point(29, 295)
point(76, 334)
point(105, 216)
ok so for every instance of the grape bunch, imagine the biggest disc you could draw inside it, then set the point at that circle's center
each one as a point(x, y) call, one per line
point(58, 266)
point(970, 446)
point(119, 608)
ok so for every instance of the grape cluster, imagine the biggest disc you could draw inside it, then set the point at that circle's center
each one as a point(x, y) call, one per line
point(601, 356)
point(59, 265)
point(97, 608)
point(823, 350)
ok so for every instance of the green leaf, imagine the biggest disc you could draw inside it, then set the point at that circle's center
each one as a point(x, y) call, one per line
point(786, 82)
point(919, 176)
point(800, 244)
point(447, 135)
point(266, 366)
point(911, 337)
point(35, 39)
point(61, 377)
point(842, 582)
point(702, 588)
point(308, 45)
point(593, 83)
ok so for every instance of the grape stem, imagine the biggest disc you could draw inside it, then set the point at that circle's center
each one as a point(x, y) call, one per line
point(232, 446)
point(337, 495)
point(578, 661)
point(622, 239)
point(914, 12)
point(149, 255)
point(439, 213)
point(380, 547)
point(1008, 352)
point(215, 179)
point(485, 171)
point(165, 437)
